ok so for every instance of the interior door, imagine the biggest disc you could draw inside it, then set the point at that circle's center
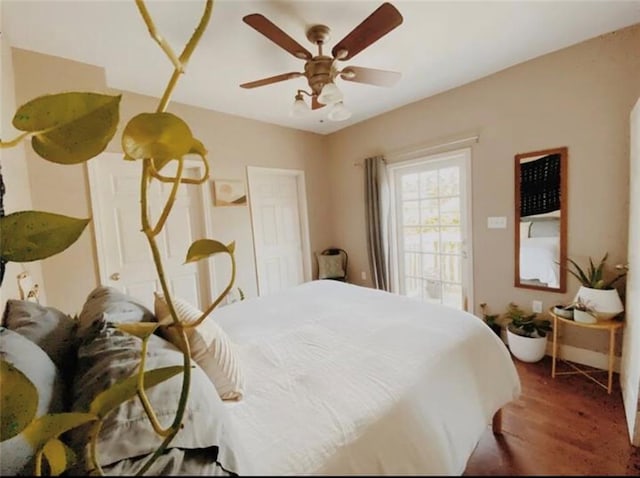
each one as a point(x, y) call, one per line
point(630, 363)
point(280, 231)
point(124, 257)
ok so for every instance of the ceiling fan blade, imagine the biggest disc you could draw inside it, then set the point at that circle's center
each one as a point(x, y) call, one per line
point(276, 35)
point(315, 104)
point(271, 79)
point(375, 26)
point(370, 76)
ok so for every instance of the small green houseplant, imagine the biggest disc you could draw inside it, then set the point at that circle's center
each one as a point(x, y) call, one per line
point(526, 334)
point(584, 312)
point(491, 319)
point(526, 325)
point(600, 293)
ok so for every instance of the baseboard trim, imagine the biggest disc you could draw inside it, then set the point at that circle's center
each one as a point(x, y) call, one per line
point(584, 357)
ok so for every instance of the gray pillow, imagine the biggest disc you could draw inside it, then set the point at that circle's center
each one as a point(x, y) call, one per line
point(119, 306)
point(17, 455)
point(48, 327)
point(330, 266)
point(107, 355)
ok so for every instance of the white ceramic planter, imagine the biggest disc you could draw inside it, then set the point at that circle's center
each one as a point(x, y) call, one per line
point(584, 317)
point(606, 303)
point(527, 349)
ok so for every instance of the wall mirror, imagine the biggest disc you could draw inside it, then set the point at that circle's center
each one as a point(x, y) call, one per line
point(541, 220)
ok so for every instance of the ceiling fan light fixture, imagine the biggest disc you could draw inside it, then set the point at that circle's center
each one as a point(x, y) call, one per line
point(299, 107)
point(330, 94)
point(339, 112)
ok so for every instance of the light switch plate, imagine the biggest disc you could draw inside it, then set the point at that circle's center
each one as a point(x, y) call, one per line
point(497, 222)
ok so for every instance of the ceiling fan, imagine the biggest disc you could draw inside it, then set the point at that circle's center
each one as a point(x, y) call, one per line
point(321, 70)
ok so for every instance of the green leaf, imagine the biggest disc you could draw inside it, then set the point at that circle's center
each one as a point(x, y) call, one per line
point(120, 392)
point(141, 330)
point(33, 235)
point(49, 426)
point(579, 274)
point(203, 248)
point(198, 148)
point(161, 136)
point(69, 128)
point(18, 401)
point(59, 456)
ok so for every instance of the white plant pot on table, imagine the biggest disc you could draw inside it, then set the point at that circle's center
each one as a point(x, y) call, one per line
point(605, 302)
point(584, 317)
point(527, 349)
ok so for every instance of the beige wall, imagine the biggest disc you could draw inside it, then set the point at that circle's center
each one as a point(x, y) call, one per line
point(233, 144)
point(578, 97)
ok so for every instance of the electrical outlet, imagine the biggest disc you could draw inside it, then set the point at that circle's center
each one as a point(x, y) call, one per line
point(536, 306)
point(363, 275)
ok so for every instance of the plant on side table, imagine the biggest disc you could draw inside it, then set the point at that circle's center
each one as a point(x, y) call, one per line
point(598, 292)
point(526, 334)
point(584, 312)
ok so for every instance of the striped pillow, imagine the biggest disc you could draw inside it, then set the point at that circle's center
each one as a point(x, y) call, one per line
point(210, 346)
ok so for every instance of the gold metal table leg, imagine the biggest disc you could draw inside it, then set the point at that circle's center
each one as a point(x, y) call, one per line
point(554, 348)
point(612, 346)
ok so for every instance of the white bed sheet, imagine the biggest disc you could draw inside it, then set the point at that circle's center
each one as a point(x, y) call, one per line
point(538, 260)
point(343, 379)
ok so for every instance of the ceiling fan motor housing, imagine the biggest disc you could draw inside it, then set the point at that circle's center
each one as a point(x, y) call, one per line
point(319, 71)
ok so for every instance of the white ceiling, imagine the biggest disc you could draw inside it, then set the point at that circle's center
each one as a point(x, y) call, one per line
point(440, 45)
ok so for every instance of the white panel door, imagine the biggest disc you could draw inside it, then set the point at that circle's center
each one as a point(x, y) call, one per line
point(125, 259)
point(630, 364)
point(278, 212)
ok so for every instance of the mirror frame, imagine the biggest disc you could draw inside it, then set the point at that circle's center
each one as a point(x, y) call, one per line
point(564, 153)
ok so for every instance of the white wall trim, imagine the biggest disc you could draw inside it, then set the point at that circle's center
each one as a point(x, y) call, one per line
point(430, 149)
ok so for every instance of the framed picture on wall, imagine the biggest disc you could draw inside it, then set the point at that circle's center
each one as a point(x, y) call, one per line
point(229, 192)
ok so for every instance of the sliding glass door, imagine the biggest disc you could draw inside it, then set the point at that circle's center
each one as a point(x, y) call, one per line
point(432, 228)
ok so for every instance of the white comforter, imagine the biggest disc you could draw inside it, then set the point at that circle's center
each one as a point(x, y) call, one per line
point(343, 379)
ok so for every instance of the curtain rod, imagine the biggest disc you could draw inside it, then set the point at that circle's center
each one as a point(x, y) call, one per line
point(398, 154)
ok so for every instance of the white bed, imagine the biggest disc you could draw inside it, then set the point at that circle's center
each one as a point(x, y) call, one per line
point(342, 379)
point(538, 260)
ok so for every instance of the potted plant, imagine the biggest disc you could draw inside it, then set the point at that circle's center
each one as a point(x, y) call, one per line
point(490, 319)
point(526, 334)
point(564, 311)
point(584, 312)
point(600, 294)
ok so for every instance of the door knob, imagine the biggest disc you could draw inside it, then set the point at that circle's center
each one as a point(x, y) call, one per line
point(115, 276)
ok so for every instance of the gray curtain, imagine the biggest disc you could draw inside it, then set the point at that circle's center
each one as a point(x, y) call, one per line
point(377, 205)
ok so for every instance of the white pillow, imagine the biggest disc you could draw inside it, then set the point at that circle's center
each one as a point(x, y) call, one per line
point(210, 346)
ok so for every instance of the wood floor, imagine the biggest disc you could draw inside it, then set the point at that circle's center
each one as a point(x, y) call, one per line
point(562, 426)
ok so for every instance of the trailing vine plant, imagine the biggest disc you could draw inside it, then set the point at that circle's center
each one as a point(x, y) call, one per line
point(71, 128)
